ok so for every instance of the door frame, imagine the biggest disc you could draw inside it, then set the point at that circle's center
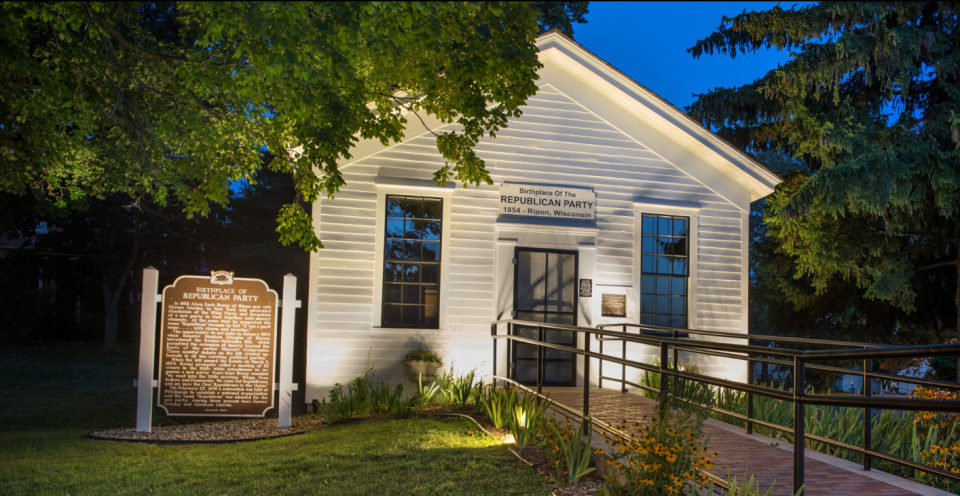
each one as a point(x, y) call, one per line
point(576, 308)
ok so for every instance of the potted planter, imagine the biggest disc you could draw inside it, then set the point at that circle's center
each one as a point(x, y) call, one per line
point(423, 363)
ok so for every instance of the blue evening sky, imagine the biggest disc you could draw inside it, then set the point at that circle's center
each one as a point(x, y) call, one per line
point(648, 41)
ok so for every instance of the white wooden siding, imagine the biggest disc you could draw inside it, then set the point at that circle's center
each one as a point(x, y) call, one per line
point(556, 141)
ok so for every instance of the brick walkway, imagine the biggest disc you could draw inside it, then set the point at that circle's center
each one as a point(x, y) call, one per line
point(739, 453)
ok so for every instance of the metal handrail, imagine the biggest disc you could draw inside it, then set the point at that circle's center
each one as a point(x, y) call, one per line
point(756, 337)
point(796, 359)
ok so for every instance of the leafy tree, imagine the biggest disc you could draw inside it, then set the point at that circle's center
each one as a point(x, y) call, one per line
point(863, 232)
point(172, 101)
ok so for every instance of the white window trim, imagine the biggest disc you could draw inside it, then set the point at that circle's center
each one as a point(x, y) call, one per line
point(693, 212)
point(382, 192)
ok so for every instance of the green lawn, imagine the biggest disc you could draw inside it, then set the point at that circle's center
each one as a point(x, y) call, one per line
point(50, 397)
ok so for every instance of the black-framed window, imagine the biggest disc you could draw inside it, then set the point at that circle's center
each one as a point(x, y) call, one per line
point(664, 270)
point(411, 262)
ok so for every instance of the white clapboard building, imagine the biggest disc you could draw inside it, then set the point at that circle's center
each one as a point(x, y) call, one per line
point(603, 191)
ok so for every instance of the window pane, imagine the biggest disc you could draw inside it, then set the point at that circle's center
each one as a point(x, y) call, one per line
point(391, 293)
point(430, 273)
point(393, 250)
point(411, 250)
point(679, 286)
point(411, 293)
point(430, 294)
point(664, 225)
point(431, 230)
point(680, 266)
point(663, 304)
point(649, 244)
point(391, 315)
point(395, 206)
point(432, 209)
point(649, 224)
point(663, 320)
point(678, 321)
point(647, 284)
point(647, 319)
point(679, 247)
point(414, 207)
point(412, 230)
point(411, 315)
point(411, 273)
point(663, 285)
point(394, 228)
point(392, 272)
point(431, 316)
point(649, 264)
point(680, 226)
point(431, 251)
point(677, 306)
point(664, 265)
point(647, 304)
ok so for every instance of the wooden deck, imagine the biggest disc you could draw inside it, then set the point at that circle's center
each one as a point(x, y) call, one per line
point(754, 455)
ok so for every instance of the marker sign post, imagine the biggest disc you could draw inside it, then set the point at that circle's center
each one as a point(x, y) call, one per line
point(218, 348)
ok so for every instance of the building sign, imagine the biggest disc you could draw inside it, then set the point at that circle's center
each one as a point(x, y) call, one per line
point(217, 346)
point(547, 201)
point(586, 288)
point(613, 305)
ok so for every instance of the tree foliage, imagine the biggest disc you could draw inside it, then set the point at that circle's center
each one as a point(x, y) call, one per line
point(862, 234)
point(173, 101)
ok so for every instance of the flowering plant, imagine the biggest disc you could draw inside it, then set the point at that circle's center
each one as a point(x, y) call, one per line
point(665, 455)
point(930, 419)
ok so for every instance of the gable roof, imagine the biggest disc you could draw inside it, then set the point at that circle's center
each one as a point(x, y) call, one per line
point(638, 101)
point(652, 108)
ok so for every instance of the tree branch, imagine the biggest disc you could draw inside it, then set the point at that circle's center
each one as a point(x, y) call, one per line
point(106, 26)
point(938, 264)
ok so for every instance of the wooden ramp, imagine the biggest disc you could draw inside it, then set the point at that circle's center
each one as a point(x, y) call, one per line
point(754, 455)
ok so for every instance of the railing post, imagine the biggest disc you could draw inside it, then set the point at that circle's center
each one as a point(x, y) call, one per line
point(600, 366)
point(798, 423)
point(493, 333)
point(750, 380)
point(867, 427)
point(623, 373)
point(586, 375)
point(664, 366)
point(539, 360)
point(510, 351)
point(676, 366)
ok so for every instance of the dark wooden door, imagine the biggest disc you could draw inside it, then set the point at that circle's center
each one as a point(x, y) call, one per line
point(545, 290)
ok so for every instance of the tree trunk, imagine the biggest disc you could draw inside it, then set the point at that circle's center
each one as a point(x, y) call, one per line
point(111, 318)
point(111, 298)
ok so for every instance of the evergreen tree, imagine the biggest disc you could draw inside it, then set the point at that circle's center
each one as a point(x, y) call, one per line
point(862, 235)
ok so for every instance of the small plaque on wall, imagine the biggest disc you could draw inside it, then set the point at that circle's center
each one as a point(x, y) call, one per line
point(613, 305)
point(586, 288)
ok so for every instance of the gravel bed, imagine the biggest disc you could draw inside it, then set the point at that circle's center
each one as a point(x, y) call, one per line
point(222, 431)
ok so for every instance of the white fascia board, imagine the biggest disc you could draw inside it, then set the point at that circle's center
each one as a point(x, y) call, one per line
point(649, 107)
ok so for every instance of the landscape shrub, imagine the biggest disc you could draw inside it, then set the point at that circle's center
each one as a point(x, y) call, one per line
point(574, 451)
point(556, 440)
point(461, 389)
point(497, 403)
point(422, 355)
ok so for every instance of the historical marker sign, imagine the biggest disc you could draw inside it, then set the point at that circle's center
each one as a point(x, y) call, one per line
point(217, 346)
point(613, 305)
point(548, 201)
